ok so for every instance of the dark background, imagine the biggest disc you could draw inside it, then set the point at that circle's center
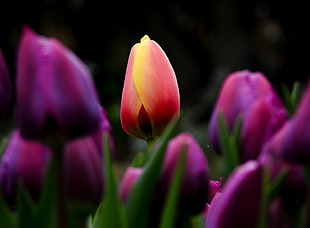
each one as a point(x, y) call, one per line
point(204, 40)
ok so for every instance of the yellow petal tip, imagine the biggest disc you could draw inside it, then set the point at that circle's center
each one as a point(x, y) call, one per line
point(145, 37)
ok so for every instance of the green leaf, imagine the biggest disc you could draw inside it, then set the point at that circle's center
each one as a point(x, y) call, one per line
point(276, 184)
point(229, 143)
point(3, 143)
point(46, 209)
point(170, 208)
point(7, 218)
point(110, 213)
point(198, 221)
point(141, 194)
point(291, 98)
point(25, 208)
point(139, 160)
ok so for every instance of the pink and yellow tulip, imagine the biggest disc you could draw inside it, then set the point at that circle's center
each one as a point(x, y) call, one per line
point(150, 97)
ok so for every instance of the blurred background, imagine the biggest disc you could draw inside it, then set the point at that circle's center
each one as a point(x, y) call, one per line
point(204, 40)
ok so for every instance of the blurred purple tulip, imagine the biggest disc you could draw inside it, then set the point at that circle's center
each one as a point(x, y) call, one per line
point(83, 170)
point(250, 96)
point(25, 162)
point(266, 116)
point(296, 142)
point(238, 205)
point(195, 182)
point(55, 93)
point(128, 181)
point(214, 188)
point(294, 188)
point(6, 93)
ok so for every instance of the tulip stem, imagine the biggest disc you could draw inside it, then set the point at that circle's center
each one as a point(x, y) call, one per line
point(58, 170)
point(150, 143)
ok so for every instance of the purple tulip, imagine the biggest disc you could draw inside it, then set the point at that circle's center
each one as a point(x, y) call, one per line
point(214, 188)
point(251, 97)
point(24, 162)
point(195, 181)
point(266, 116)
point(294, 189)
point(128, 181)
point(83, 170)
point(6, 95)
point(238, 205)
point(296, 142)
point(55, 93)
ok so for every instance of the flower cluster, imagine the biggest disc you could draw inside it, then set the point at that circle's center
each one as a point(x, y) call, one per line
point(56, 167)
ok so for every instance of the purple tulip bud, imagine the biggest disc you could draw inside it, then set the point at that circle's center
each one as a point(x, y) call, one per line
point(24, 162)
point(239, 203)
point(296, 146)
point(128, 181)
point(214, 188)
point(6, 95)
point(294, 189)
point(251, 97)
point(55, 93)
point(83, 170)
point(262, 120)
point(195, 181)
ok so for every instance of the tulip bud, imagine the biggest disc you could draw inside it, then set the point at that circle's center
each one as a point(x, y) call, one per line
point(260, 123)
point(296, 146)
point(248, 96)
point(214, 188)
point(23, 162)
point(294, 188)
point(239, 203)
point(195, 181)
point(128, 181)
point(83, 170)
point(55, 93)
point(150, 97)
point(6, 95)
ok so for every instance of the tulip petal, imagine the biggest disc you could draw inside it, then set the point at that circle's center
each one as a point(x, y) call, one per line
point(130, 104)
point(155, 82)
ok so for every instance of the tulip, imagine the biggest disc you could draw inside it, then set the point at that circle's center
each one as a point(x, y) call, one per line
point(23, 162)
point(150, 97)
point(248, 96)
point(128, 181)
point(294, 187)
point(83, 171)
point(85, 157)
point(194, 188)
point(214, 188)
point(296, 146)
point(6, 93)
point(239, 203)
point(260, 123)
point(55, 93)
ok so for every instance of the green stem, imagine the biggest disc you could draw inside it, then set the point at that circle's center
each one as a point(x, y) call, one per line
point(150, 143)
point(59, 184)
point(264, 199)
